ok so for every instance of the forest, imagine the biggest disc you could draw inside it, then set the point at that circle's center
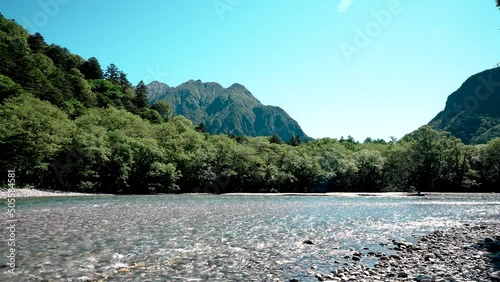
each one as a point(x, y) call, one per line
point(67, 124)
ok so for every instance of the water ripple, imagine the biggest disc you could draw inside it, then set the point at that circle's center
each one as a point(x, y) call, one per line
point(217, 238)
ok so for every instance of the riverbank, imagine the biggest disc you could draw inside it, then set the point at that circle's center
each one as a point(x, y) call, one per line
point(33, 193)
point(468, 253)
point(362, 194)
point(329, 194)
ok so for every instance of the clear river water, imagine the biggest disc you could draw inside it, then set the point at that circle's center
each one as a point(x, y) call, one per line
point(217, 237)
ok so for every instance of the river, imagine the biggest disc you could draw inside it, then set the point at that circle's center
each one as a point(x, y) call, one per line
point(217, 237)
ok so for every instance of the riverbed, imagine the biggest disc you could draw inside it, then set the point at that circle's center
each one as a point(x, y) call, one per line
point(220, 238)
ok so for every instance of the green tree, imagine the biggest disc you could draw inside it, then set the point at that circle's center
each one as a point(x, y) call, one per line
point(91, 69)
point(138, 165)
point(301, 169)
point(107, 93)
point(122, 80)
point(275, 139)
point(112, 73)
point(189, 151)
point(201, 128)
point(294, 141)
point(44, 64)
point(398, 168)
point(163, 108)
point(151, 115)
point(32, 133)
point(141, 95)
point(350, 143)
point(37, 43)
point(81, 89)
point(62, 58)
point(489, 158)
point(438, 160)
point(370, 165)
point(92, 145)
point(425, 155)
point(332, 158)
point(113, 119)
point(8, 88)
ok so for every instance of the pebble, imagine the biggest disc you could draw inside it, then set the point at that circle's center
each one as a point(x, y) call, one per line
point(467, 253)
point(33, 193)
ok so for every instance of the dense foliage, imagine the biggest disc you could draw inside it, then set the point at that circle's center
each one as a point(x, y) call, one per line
point(68, 125)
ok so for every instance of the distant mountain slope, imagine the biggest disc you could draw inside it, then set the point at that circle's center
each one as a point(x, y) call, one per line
point(155, 89)
point(226, 110)
point(472, 112)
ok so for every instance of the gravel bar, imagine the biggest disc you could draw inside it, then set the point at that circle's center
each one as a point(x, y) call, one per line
point(32, 193)
point(463, 254)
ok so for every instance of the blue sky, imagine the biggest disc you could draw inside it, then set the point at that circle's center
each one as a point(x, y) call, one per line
point(374, 68)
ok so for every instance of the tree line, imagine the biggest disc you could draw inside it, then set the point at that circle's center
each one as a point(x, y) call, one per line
point(69, 125)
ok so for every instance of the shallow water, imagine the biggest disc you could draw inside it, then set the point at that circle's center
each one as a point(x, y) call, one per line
point(218, 238)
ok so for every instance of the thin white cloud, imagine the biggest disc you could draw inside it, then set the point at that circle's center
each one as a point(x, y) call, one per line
point(344, 5)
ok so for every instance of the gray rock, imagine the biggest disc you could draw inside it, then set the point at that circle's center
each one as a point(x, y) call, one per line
point(488, 241)
point(468, 253)
point(422, 277)
point(395, 257)
point(384, 257)
point(402, 274)
point(429, 256)
point(391, 274)
point(495, 276)
point(320, 277)
point(328, 277)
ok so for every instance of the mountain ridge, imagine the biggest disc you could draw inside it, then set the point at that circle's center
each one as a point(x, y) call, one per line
point(472, 112)
point(233, 110)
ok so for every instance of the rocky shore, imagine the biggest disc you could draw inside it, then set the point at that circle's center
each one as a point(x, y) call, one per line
point(468, 253)
point(31, 193)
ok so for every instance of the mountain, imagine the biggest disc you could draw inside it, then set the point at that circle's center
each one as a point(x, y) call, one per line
point(232, 110)
point(472, 112)
point(155, 89)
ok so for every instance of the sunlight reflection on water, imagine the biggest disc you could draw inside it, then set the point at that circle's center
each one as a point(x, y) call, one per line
point(180, 237)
